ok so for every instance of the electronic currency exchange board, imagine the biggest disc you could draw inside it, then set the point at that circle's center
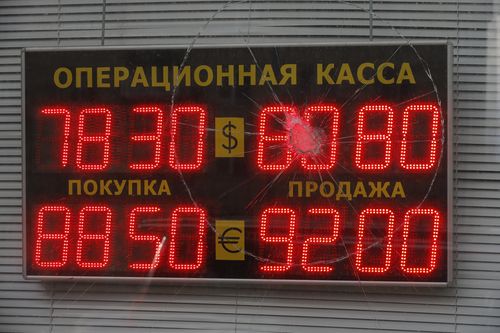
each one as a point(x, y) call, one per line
point(287, 163)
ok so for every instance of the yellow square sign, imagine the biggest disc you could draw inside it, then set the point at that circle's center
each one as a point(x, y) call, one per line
point(229, 137)
point(229, 240)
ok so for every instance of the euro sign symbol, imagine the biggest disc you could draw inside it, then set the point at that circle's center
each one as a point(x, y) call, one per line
point(232, 142)
point(224, 239)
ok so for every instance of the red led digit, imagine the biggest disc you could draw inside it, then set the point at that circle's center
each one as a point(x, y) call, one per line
point(184, 212)
point(267, 142)
point(265, 218)
point(153, 240)
point(306, 264)
point(42, 236)
point(155, 139)
point(361, 248)
point(64, 113)
point(362, 138)
point(176, 145)
point(87, 241)
point(332, 138)
point(436, 219)
point(85, 140)
point(429, 161)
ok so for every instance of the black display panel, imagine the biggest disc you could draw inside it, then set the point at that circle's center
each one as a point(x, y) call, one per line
point(299, 163)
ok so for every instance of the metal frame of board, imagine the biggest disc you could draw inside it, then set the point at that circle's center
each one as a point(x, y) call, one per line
point(450, 171)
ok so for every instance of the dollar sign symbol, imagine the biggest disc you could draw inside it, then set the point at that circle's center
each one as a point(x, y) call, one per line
point(232, 142)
